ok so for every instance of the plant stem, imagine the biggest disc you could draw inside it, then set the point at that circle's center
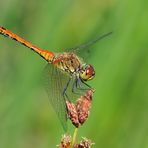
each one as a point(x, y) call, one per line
point(74, 137)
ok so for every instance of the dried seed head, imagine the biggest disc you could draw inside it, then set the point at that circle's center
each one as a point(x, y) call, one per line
point(65, 141)
point(83, 106)
point(85, 143)
point(72, 114)
point(78, 113)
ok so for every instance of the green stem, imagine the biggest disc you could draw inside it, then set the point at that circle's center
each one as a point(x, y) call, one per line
point(74, 137)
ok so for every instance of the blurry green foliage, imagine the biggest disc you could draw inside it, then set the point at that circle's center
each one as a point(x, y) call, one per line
point(120, 104)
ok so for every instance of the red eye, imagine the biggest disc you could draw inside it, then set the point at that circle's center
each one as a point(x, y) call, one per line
point(90, 70)
point(88, 73)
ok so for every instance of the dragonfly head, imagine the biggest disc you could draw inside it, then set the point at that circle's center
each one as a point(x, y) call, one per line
point(87, 72)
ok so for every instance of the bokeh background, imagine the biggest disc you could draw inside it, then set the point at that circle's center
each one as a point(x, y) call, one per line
point(119, 116)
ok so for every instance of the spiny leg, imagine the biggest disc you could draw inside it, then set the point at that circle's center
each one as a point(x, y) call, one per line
point(80, 87)
point(64, 91)
point(75, 85)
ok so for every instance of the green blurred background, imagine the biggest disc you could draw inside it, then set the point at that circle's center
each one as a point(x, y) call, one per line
point(119, 116)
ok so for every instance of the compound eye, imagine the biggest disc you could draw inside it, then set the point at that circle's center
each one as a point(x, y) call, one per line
point(88, 73)
point(90, 70)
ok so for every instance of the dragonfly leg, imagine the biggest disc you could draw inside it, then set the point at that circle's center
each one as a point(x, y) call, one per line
point(64, 91)
point(85, 84)
point(79, 86)
point(66, 97)
point(75, 85)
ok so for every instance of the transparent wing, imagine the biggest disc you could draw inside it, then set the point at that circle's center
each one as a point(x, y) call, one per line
point(90, 43)
point(84, 49)
point(55, 81)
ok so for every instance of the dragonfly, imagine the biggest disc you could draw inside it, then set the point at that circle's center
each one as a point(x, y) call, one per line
point(66, 73)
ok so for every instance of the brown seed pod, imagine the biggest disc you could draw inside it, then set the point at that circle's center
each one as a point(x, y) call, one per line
point(65, 141)
point(84, 143)
point(83, 106)
point(72, 113)
point(78, 113)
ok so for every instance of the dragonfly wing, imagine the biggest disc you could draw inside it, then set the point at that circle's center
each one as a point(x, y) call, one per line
point(54, 82)
point(83, 53)
point(84, 49)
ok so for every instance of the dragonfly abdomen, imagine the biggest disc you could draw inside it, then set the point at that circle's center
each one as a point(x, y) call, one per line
point(48, 56)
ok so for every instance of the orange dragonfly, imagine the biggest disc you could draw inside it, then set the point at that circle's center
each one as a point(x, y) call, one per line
point(65, 74)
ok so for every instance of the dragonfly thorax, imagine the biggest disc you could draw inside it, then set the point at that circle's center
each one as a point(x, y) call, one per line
point(68, 62)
